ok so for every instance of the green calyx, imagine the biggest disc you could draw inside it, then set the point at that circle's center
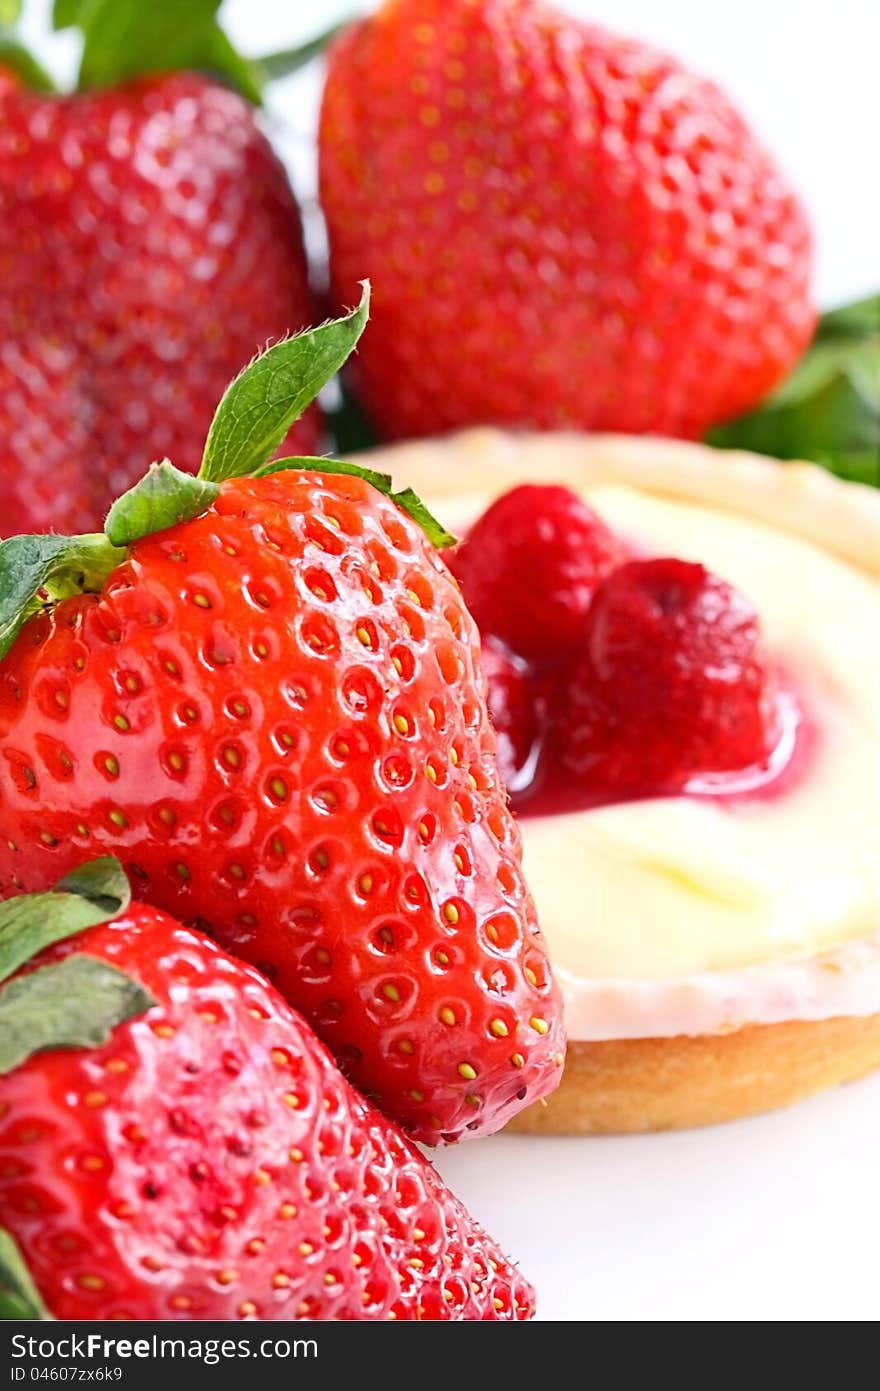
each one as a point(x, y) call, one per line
point(36, 571)
point(164, 497)
point(260, 405)
point(95, 893)
point(253, 417)
point(127, 39)
point(828, 410)
point(75, 1002)
point(14, 56)
point(406, 499)
point(19, 1296)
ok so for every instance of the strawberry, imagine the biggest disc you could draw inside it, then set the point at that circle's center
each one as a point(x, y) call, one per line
point(671, 684)
point(516, 706)
point(609, 677)
point(564, 227)
point(176, 1143)
point(274, 712)
point(529, 566)
point(149, 245)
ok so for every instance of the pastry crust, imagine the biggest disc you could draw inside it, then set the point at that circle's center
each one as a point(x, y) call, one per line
point(675, 1083)
point(671, 1083)
point(802, 499)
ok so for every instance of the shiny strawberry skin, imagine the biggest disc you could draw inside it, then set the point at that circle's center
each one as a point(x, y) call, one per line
point(274, 715)
point(516, 707)
point(149, 245)
point(671, 684)
point(209, 1161)
point(529, 567)
point(563, 227)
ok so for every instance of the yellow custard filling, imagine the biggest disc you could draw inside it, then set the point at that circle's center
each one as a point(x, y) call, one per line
point(672, 886)
point(684, 914)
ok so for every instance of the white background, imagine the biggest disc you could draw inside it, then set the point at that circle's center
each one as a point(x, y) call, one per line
point(776, 1217)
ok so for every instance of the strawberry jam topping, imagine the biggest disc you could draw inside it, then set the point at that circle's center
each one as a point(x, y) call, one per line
point(530, 566)
point(613, 678)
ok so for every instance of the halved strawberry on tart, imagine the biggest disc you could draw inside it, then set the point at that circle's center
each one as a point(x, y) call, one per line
point(681, 650)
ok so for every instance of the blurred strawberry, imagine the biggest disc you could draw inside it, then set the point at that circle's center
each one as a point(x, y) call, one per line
point(563, 227)
point(149, 245)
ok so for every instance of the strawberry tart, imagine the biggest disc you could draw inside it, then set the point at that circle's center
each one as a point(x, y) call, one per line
point(682, 655)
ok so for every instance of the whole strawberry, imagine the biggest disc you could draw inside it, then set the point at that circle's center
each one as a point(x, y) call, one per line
point(274, 713)
point(176, 1143)
point(671, 684)
point(563, 226)
point(528, 569)
point(149, 245)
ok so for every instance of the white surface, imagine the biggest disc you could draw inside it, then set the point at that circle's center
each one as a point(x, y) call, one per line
point(777, 1217)
point(771, 1218)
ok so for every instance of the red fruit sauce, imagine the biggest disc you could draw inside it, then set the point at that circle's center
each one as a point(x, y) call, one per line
point(541, 788)
point(656, 685)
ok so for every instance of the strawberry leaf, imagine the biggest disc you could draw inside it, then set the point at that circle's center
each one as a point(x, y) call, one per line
point(68, 12)
point(407, 500)
point(312, 463)
point(95, 893)
point(74, 1003)
point(15, 56)
point(19, 1296)
point(35, 570)
point(259, 407)
point(124, 39)
point(290, 60)
point(10, 13)
point(828, 410)
point(164, 497)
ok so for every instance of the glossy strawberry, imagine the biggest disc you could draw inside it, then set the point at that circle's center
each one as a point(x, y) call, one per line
point(149, 245)
point(672, 683)
point(206, 1159)
point(516, 708)
point(528, 569)
point(274, 713)
point(564, 227)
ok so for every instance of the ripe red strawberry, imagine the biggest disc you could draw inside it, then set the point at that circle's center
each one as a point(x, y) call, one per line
point(191, 1151)
point(564, 227)
point(515, 702)
point(149, 245)
point(274, 713)
point(671, 683)
point(528, 569)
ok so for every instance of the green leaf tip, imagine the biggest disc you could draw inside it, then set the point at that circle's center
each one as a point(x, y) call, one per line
point(15, 57)
point(73, 1003)
point(260, 405)
point(19, 1296)
point(38, 570)
point(406, 499)
point(95, 893)
point(164, 497)
point(291, 60)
